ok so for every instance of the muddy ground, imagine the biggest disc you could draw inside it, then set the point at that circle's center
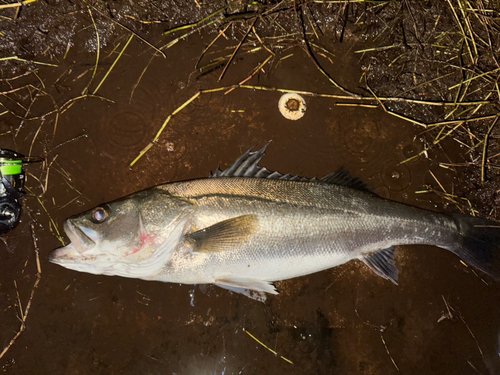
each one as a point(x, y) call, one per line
point(409, 97)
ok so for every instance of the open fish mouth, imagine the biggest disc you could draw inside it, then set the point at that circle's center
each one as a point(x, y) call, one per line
point(77, 255)
point(81, 242)
point(83, 239)
point(70, 258)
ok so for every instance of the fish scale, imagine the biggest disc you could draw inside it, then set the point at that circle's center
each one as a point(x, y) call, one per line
point(331, 236)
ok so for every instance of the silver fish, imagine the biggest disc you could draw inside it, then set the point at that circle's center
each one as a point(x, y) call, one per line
point(245, 227)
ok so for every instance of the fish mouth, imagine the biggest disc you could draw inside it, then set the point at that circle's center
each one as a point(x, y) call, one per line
point(64, 255)
point(69, 257)
point(81, 242)
point(80, 237)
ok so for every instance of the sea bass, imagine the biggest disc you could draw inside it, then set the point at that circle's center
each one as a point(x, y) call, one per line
point(246, 227)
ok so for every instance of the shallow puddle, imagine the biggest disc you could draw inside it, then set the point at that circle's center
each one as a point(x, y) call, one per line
point(442, 318)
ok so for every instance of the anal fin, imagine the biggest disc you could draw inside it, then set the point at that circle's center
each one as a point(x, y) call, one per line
point(383, 264)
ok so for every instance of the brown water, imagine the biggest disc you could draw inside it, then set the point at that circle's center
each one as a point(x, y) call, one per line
point(443, 318)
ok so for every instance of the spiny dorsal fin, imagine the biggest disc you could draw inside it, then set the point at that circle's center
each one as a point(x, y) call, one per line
point(383, 264)
point(224, 235)
point(247, 166)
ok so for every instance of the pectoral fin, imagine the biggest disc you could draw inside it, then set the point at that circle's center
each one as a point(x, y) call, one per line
point(382, 263)
point(224, 235)
point(252, 288)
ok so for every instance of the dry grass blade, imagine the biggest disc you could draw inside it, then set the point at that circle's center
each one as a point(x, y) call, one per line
point(126, 28)
point(98, 49)
point(195, 25)
point(388, 352)
point(211, 44)
point(146, 149)
point(114, 63)
point(475, 77)
point(16, 5)
point(485, 146)
point(267, 347)
point(465, 36)
point(28, 61)
point(439, 183)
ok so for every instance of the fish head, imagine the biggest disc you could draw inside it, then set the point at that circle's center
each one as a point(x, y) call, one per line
point(131, 237)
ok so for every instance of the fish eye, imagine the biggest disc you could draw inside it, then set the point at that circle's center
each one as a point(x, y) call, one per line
point(99, 215)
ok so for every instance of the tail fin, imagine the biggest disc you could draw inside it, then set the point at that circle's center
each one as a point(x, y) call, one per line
point(479, 243)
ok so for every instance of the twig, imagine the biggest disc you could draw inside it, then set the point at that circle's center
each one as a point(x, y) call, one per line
point(236, 49)
point(24, 314)
point(439, 183)
point(141, 76)
point(472, 334)
point(445, 316)
point(261, 42)
point(309, 52)
point(211, 44)
point(59, 237)
point(47, 174)
point(72, 101)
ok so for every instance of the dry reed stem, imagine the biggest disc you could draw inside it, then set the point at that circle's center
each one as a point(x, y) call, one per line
point(16, 5)
point(485, 146)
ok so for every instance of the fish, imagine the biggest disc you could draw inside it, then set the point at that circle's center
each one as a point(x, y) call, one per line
point(245, 227)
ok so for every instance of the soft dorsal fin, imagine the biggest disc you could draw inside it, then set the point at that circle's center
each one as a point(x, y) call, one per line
point(247, 166)
point(343, 177)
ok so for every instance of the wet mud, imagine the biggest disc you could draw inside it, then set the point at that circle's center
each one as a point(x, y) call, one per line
point(441, 318)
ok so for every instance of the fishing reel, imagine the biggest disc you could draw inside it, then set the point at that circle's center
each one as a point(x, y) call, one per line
point(11, 188)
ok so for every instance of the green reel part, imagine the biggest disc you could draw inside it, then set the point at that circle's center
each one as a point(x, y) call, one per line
point(11, 173)
point(9, 167)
